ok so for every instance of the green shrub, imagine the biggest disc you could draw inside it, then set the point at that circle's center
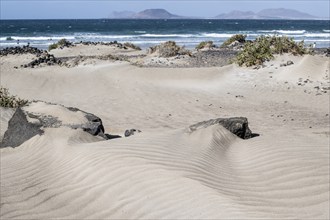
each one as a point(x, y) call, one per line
point(52, 46)
point(133, 46)
point(255, 53)
point(6, 100)
point(205, 44)
point(61, 43)
point(237, 37)
point(284, 44)
point(264, 48)
point(169, 49)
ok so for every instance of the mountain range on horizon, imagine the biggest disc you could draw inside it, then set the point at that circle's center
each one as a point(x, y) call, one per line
point(145, 14)
point(272, 13)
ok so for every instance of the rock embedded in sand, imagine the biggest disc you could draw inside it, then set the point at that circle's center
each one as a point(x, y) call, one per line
point(19, 130)
point(32, 119)
point(131, 132)
point(289, 62)
point(236, 125)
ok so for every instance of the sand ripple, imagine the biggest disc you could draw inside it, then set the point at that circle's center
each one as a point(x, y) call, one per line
point(209, 173)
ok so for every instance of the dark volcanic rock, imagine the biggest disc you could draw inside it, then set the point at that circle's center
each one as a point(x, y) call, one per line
point(94, 125)
point(236, 125)
point(44, 58)
point(20, 50)
point(289, 62)
point(19, 130)
point(25, 124)
point(327, 52)
point(112, 43)
point(210, 58)
point(131, 132)
point(111, 136)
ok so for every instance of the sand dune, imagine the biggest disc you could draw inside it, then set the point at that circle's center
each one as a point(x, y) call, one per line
point(207, 174)
point(166, 171)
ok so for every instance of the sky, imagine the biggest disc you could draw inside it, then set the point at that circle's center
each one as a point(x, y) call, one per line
point(78, 9)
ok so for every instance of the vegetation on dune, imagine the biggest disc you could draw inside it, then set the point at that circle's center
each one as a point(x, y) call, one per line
point(205, 44)
point(280, 45)
point(61, 43)
point(133, 46)
point(9, 101)
point(237, 37)
point(169, 49)
point(264, 48)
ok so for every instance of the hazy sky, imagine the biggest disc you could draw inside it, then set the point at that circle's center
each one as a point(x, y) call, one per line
point(43, 9)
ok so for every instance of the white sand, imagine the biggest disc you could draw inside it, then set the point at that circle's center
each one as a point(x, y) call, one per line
point(165, 172)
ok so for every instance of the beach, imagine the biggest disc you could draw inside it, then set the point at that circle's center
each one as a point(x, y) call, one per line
point(168, 169)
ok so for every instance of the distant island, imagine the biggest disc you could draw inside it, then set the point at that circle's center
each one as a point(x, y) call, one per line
point(146, 14)
point(273, 13)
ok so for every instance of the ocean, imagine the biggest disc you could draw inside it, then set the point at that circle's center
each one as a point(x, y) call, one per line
point(146, 33)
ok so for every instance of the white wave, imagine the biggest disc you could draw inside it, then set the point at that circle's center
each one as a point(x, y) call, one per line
point(308, 35)
point(140, 32)
point(41, 38)
point(217, 35)
point(72, 37)
point(319, 35)
point(326, 31)
point(8, 44)
point(318, 40)
point(103, 36)
point(167, 35)
point(283, 31)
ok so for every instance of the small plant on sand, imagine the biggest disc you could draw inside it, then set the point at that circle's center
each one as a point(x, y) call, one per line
point(255, 53)
point(205, 44)
point(264, 48)
point(52, 46)
point(60, 44)
point(169, 49)
point(240, 38)
point(9, 101)
point(280, 45)
point(133, 46)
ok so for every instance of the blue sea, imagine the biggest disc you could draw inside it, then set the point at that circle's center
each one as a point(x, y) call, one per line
point(146, 33)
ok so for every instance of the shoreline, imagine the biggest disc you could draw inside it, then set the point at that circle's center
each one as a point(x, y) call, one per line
point(75, 53)
point(143, 46)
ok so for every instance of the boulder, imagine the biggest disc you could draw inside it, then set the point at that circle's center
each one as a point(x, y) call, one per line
point(19, 130)
point(32, 119)
point(289, 62)
point(131, 132)
point(236, 125)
